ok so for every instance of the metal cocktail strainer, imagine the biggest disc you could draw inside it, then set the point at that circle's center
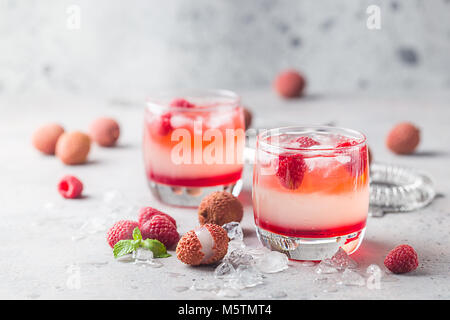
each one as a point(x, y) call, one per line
point(398, 189)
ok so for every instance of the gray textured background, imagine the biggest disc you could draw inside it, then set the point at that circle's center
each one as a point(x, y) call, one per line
point(129, 48)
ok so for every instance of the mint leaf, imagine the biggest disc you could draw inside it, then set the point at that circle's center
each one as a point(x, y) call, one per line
point(123, 247)
point(155, 246)
point(137, 234)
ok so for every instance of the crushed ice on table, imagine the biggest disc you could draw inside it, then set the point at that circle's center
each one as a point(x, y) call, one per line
point(90, 227)
point(205, 285)
point(228, 293)
point(246, 276)
point(223, 270)
point(234, 231)
point(272, 262)
point(351, 278)
point(325, 268)
point(145, 257)
point(238, 257)
point(341, 261)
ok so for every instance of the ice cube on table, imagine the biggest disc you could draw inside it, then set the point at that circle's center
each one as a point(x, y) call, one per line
point(142, 254)
point(238, 257)
point(272, 262)
point(223, 270)
point(145, 257)
point(374, 269)
point(234, 231)
point(351, 278)
point(341, 261)
point(325, 268)
point(244, 277)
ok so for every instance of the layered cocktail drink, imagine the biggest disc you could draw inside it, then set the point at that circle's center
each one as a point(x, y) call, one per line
point(311, 190)
point(193, 145)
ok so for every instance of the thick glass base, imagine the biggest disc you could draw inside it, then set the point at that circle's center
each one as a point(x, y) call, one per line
point(312, 249)
point(189, 196)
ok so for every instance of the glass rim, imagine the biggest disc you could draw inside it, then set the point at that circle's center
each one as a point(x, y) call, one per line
point(155, 101)
point(261, 144)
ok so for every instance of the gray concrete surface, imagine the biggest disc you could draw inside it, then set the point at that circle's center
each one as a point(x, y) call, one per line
point(41, 255)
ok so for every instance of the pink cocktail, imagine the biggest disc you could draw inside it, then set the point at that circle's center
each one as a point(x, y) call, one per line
point(193, 145)
point(311, 190)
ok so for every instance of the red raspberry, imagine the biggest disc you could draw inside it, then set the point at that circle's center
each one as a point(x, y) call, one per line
point(164, 124)
point(306, 142)
point(146, 213)
point(182, 103)
point(402, 259)
point(291, 170)
point(160, 228)
point(346, 143)
point(121, 230)
point(70, 187)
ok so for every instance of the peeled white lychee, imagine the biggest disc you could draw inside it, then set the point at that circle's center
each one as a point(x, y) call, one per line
point(204, 245)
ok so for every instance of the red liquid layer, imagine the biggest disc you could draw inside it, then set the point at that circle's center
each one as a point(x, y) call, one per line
point(197, 182)
point(309, 233)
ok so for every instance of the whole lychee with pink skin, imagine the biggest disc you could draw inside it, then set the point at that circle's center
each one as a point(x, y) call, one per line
point(104, 131)
point(146, 213)
point(45, 137)
point(73, 147)
point(206, 244)
point(290, 84)
point(403, 138)
point(220, 207)
point(121, 230)
point(160, 228)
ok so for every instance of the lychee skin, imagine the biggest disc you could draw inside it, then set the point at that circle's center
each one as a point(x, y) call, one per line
point(221, 240)
point(104, 131)
point(220, 207)
point(45, 137)
point(403, 138)
point(189, 248)
point(290, 84)
point(121, 230)
point(73, 147)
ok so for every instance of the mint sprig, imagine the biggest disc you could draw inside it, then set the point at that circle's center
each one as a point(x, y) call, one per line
point(124, 247)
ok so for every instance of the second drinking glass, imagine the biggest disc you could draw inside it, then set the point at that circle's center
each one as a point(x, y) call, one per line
point(193, 145)
point(311, 190)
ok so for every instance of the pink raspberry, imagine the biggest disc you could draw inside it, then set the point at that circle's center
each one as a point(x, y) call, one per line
point(291, 170)
point(182, 103)
point(146, 213)
point(306, 142)
point(164, 126)
point(70, 187)
point(121, 230)
point(402, 259)
point(162, 229)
